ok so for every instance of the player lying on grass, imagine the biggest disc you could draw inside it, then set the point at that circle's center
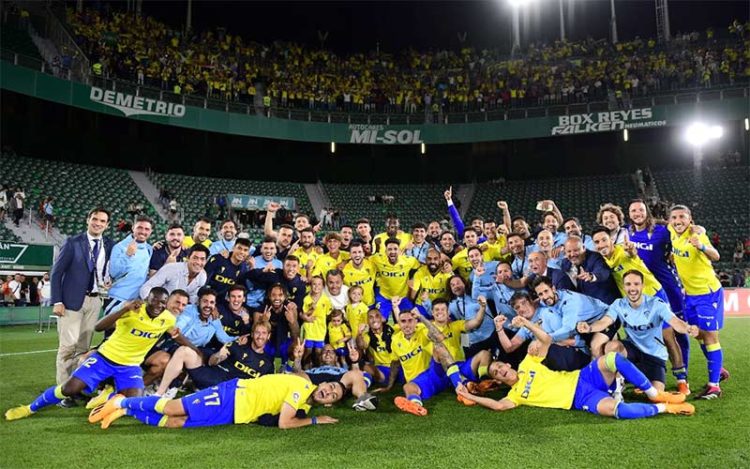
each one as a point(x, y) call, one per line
point(424, 352)
point(536, 385)
point(138, 326)
point(281, 400)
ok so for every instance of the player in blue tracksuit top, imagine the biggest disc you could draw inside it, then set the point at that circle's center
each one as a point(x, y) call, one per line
point(128, 265)
point(654, 247)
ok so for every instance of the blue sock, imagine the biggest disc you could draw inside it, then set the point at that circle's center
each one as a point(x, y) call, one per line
point(368, 378)
point(616, 362)
point(635, 410)
point(146, 416)
point(703, 349)
point(680, 373)
point(684, 341)
point(147, 403)
point(51, 396)
point(454, 374)
point(415, 398)
point(714, 360)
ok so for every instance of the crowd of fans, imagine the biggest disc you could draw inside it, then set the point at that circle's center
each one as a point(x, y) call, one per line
point(221, 65)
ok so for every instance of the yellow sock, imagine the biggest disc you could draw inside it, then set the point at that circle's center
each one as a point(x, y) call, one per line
point(160, 404)
point(483, 371)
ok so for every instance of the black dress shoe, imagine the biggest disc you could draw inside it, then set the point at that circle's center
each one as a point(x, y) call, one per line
point(67, 403)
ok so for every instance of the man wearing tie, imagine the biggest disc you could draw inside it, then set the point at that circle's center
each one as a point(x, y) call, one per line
point(77, 274)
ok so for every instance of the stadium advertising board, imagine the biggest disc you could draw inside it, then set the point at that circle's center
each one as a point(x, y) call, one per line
point(606, 121)
point(134, 105)
point(259, 202)
point(373, 134)
point(34, 83)
point(737, 301)
point(20, 256)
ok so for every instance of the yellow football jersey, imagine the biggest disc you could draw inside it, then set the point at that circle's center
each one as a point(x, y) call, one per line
point(452, 333)
point(364, 277)
point(268, 394)
point(392, 278)
point(435, 285)
point(304, 258)
point(461, 264)
point(693, 267)
point(380, 354)
point(494, 251)
point(326, 262)
point(414, 353)
point(188, 242)
point(621, 262)
point(316, 330)
point(356, 315)
point(538, 386)
point(336, 335)
point(135, 334)
point(403, 238)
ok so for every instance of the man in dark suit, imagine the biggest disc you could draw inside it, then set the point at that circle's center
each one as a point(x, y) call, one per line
point(587, 272)
point(78, 273)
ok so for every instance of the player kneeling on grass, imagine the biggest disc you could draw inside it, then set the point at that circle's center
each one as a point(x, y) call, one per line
point(643, 318)
point(536, 385)
point(423, 352)
point(273, 400)
point(138, 326)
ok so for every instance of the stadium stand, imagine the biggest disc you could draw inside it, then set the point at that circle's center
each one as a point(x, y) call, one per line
point(7, 235)
point(412, 203)
point(76, 189)
point(223, 66)
point(719, 199)
point(579, 196)
point(18, 40)
point(197, 194)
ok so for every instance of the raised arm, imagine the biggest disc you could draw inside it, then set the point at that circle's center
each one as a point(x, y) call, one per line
point(507, 221)
point(270, 215)
point(108, 321)
point(543, 339)
point(455, 216)
point(477, 320)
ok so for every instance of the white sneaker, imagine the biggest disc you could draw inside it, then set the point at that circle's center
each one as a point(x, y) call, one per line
point(619, 385)
point(171, 393)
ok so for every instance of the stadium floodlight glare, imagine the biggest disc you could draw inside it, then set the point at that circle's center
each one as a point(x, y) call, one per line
point(625, 135)
point(698, 134)
point(519, 3)
point(333, 147)
point(423, 148)
point(747, 123)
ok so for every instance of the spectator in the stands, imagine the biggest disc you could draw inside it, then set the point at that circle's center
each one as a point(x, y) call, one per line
point(3, 202)
point(44, 287)
point(17, 205)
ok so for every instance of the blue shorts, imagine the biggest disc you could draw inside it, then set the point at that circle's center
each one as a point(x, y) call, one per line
point(384, 305)
point(314, 344)
point(705, 311)
point(207, 376)
point(283, 349)
point(653, 367)
point(591, 389)
point(675, 297)
point(97, 368)
point(211, 406)
point(386, 370)
point(433, 380)
point(341, 352)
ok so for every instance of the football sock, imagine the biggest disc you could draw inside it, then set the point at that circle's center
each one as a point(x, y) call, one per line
point(635, 410)
point(416, 398)
point(684, 341)
point(715, 360)
point(616, 362)
point(148, 403)
point(454, 375)
point(49, 397)
point(148, 417)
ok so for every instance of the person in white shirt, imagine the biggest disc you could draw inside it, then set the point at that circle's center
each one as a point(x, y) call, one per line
point(188, 276)
point(45, 290)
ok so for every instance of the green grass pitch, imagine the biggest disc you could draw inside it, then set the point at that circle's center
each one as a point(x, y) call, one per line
point(718, 436)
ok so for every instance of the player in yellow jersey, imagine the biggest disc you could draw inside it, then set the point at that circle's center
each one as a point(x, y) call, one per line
point(429, 368)
point(430, 282)
point(461, 263)
point(392, 230)
point(272, 400)
point(375, 338)
point(536, 385)
point(333, 258)
point(496, 246)
point(704, 297)
point(138, 326)
point(393, 274)
point(315, 309)
point(622, 258)
point(307, 253)
point(360, 272)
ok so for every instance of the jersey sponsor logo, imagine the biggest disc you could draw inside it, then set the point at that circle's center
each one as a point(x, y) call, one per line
point(644, 246)
point(393, 274)
point(679, 252)
point(411, 354)
point(642, 327)
point(136, 105)
point(527, 386)
point(222, 279)
point(145, 334)
point(250, 372)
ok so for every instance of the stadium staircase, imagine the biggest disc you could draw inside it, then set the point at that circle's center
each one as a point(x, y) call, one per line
point(318, 197)
point(30, 232)
point(465, 193)
point(149, 191)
